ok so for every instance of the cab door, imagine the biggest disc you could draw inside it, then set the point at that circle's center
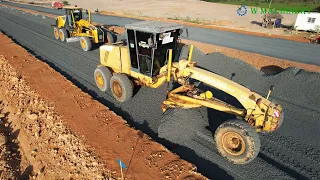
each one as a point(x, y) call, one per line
point(132, 50)
point(69, 19)
point(145, 52)
point(141, 52)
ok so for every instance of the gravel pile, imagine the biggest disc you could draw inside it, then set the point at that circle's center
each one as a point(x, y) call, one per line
point(293, 85)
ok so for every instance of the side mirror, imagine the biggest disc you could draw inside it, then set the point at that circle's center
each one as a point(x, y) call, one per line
point(187, 33)
point(271, 88)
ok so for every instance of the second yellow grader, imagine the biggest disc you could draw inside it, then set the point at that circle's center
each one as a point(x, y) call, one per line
point(72, 27)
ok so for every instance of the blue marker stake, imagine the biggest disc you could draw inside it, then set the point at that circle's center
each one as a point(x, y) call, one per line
point(122, 166)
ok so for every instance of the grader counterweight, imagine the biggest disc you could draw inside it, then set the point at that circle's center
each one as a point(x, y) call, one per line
point(145, 58)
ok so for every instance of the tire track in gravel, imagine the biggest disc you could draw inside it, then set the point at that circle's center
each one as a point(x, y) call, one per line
point(79, 66)
point(300, 163)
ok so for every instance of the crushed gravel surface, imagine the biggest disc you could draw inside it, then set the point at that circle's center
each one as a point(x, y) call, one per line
point(292, 152)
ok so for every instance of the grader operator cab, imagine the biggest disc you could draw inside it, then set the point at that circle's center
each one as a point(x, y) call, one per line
point(145, 58)
point(73, 27)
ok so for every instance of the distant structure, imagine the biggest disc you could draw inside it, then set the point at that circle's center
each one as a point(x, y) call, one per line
point(308, 22)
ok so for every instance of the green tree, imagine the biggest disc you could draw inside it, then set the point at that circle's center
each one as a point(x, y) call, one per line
point(65, 3)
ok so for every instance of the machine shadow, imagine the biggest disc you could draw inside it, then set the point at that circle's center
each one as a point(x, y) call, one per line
point(271, 69)
point(204, 166)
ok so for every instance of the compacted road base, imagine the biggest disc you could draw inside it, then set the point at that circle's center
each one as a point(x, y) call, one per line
point(290, 153)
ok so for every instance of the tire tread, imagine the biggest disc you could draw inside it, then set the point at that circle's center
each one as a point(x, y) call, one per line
point(249, 131)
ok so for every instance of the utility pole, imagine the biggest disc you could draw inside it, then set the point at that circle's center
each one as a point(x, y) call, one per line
point(270, 4)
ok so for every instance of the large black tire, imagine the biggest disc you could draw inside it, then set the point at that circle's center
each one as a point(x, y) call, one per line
point(109, 38)
point(85, 43)
point(121, 87)
point(63, 34)
point(102, 76)
point(56, 33)
point(237, 141)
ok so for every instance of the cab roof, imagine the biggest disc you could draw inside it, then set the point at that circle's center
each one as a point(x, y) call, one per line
point(154, 26)
point(71, 7)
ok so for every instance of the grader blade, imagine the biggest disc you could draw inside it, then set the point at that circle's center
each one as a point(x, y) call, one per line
point(73, 39)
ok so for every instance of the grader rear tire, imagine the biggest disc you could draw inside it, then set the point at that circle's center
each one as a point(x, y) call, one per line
point(102, 76)
point(237, 141)
point(121, 87)
point(63, 34)
point(109, 38)
point(56, 33)
point(85, 43)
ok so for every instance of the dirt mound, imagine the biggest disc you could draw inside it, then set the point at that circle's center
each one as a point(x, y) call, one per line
point(50, 148)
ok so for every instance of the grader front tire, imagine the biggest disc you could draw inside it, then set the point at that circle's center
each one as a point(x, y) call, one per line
point(237, 141)
point(56, 33)
point(85, 43)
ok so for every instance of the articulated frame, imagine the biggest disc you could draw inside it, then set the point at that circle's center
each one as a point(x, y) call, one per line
point(186, 96)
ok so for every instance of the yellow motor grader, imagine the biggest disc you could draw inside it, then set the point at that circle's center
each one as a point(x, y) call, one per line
point(73, 27)
point(145, 58)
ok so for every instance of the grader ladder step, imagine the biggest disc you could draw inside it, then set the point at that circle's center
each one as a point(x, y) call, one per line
point(73, 39)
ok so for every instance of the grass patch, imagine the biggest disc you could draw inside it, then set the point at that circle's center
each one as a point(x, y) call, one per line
point(277, 4)
point(189, 19)
point(65, 3)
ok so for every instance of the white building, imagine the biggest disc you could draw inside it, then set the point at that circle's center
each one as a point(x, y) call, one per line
point(308, 22)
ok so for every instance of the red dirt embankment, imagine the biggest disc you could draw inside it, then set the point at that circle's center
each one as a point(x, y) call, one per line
point(104, 132)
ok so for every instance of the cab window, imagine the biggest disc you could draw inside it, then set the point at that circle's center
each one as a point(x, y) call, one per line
point(145, 52)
